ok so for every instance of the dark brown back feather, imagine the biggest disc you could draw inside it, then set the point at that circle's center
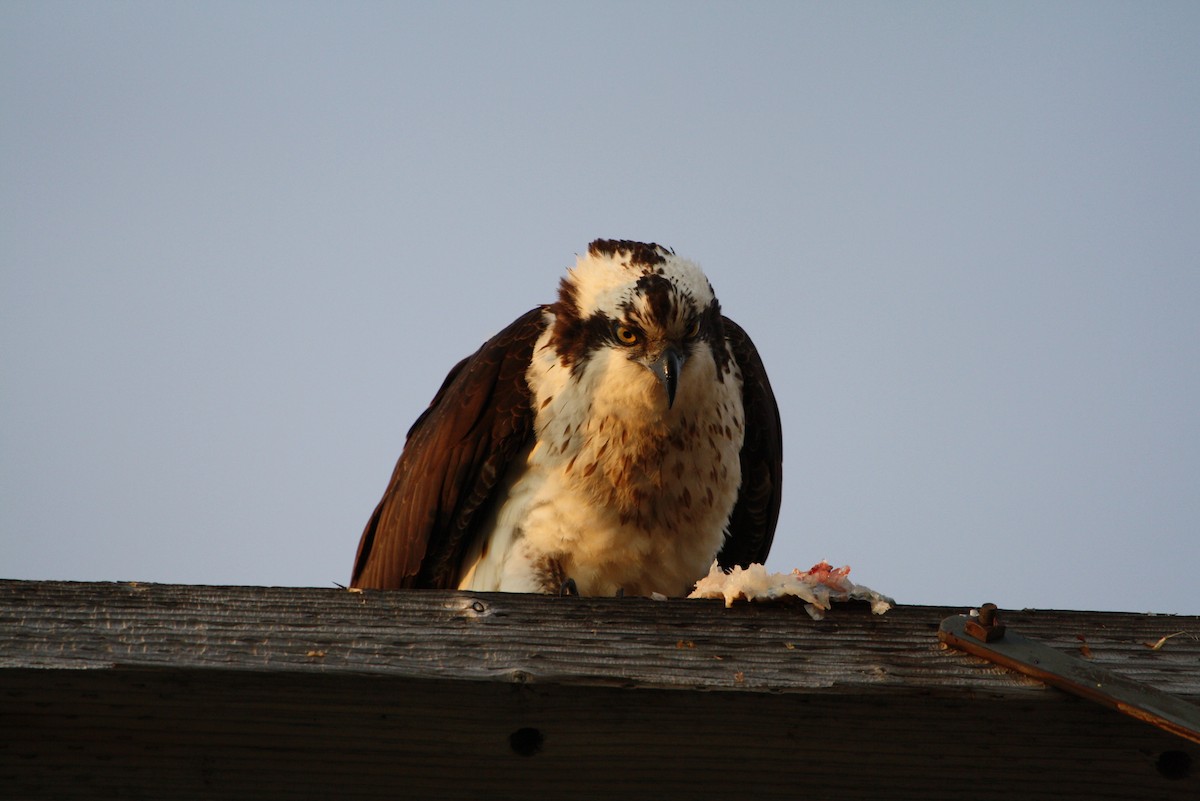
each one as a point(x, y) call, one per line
point(453, 459)
point(752, 523)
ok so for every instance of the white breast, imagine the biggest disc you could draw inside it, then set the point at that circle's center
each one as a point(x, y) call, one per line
point(618, 492)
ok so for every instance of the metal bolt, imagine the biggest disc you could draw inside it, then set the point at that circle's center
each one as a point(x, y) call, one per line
point(987, 626)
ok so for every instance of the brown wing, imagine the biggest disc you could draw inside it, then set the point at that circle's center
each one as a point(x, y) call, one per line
point(752, 523)
point(455, 455)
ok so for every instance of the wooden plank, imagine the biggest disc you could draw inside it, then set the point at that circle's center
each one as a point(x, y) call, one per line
point(119, 690)
point(529, 638)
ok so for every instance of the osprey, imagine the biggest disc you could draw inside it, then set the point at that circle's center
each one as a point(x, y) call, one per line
point(615, 441)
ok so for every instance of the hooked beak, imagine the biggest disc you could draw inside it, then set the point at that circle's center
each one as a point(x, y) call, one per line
point(667, 367)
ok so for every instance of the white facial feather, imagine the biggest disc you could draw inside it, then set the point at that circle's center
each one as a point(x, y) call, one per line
point(606, 282)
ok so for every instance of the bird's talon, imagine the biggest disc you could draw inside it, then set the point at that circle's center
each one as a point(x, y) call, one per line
point(568, 588)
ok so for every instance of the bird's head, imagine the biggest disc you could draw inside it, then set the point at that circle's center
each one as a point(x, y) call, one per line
point(639, 314)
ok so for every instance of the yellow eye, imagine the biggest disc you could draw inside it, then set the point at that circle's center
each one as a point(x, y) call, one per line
point(627, 335)
point(694, 329)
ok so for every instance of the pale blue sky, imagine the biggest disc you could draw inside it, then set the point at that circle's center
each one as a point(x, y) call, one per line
point(242, 242)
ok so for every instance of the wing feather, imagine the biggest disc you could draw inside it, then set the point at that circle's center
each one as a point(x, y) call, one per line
point(752, 522)
point(453, 459)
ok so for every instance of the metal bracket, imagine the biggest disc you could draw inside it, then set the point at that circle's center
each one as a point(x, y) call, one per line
point(986, 637)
